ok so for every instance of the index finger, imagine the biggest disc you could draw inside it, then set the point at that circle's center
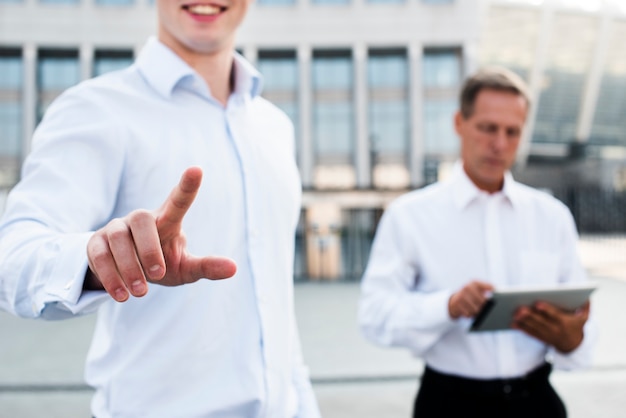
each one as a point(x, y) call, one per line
point(170, 215)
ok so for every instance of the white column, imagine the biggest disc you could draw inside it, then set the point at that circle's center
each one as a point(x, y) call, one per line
point(305, 111)
point(363, 163)
point(29, 100)
point(416, 158)
point(86, 57)
point(470, 58)
point(535, 80)
point(594, 80)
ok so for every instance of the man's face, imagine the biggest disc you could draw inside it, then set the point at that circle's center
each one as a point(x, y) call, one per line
point(490, 136)
point(200, 26)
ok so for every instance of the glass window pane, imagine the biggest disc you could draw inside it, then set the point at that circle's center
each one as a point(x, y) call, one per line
point(387, 71)
point(441, 68)
point(439, 136)
point(107, 61)
point(388, 113)
point(276, 2)
point(11, 68)
point(57, 71)
point(60, 1)
point(333, 111)
point(115, 2)
point(280, 83)
point(330, 2)
point(442, 81)
point(386, 1)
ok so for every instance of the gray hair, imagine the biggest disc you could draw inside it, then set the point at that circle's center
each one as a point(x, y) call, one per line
point(491, 78)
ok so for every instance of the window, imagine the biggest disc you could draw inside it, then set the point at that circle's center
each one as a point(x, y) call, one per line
point(441, 80)
point(114, 2)
point(333, 110)
point(11, 68)
point(385, 1)
point(331, 2)
point(60, 1)
point(276, 2)
point(280, 82)
point(57, 70)
point(388, 117)
point(111, 60)
point(333, 119)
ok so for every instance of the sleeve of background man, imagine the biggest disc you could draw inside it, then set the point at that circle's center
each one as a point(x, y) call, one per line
point(572, 271)
point(391, 311)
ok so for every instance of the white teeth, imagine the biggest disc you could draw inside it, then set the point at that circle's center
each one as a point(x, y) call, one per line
point(204, 9)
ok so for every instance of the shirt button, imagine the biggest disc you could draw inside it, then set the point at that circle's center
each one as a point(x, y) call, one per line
point(68, 285)
point(507, 389)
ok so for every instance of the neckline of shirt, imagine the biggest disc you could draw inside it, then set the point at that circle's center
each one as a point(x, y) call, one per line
point(165, 71)
point(465, 191)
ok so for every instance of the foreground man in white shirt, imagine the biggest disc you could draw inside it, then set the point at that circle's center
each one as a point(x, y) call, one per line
point(438, 251)
point(97, 221)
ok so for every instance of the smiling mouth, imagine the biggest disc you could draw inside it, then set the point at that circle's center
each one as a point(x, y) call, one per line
point(203, 9)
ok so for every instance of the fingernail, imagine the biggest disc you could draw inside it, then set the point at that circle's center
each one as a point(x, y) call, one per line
point(120, 295)
point(137, 286)
point(156, 271)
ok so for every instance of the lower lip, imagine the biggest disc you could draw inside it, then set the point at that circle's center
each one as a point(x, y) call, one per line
point(203, 18)
point(494, 163)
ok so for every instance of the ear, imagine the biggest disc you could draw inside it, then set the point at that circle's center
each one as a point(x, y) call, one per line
point(458, 122)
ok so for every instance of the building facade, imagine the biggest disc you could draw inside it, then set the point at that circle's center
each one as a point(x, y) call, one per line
point(371, 86)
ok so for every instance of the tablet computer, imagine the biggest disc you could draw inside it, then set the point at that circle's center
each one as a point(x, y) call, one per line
point(498, 311)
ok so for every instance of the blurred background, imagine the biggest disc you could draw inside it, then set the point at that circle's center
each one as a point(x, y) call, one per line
point(371, 86)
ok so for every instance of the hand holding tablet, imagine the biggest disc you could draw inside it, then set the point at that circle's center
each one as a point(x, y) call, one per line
point(498, 311)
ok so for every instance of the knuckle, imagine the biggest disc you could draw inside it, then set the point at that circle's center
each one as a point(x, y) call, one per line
point(130, 274)
point(139, 216)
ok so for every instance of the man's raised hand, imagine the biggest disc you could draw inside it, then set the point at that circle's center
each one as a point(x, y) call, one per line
point(149, 246)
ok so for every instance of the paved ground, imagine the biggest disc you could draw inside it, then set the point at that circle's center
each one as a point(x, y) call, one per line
point(41, 363)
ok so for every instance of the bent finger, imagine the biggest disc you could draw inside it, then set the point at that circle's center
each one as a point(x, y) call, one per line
point(147, 244)
point(102, 265)
point(122, 248)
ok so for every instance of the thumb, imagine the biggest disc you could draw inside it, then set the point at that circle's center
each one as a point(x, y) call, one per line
point(209, 267)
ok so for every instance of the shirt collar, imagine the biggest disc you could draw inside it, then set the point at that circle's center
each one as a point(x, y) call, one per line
point(465, 191)
point(164, 70)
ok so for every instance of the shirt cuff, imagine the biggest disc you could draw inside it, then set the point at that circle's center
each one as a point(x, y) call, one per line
point(64, 295)
point(429, 310)
point(581, 356)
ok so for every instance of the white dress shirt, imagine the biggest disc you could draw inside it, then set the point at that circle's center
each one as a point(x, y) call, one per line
point(120, 142)
point(431, 242)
